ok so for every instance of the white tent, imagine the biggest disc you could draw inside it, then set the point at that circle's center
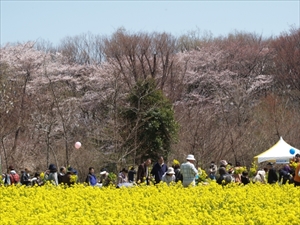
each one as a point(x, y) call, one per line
point(280, 153)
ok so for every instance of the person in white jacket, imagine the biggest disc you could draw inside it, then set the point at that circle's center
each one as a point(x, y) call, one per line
point(169, 176)
point(260, 176)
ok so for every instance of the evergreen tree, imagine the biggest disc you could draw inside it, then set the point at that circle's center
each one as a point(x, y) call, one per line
point(150, 121)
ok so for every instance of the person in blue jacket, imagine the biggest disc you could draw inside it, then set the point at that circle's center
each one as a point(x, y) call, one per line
point(159, 169)
point(91, 178)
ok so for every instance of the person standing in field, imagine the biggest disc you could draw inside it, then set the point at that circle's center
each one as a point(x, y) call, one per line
point(61, 175)
point(189, 171)
point(297, 171)
point(91, 178)
point(12, 177)
point(143, 173)
point(213, 168)
point(159, 169)
point(260, 176)
point(104, 178)
point(51, 174)
point(285, 174)
point(122, 176)
point(178, 175)
point(25, 177)
point(36, 180)
point(244, 178)
point(272, 175)
point(224, 178)
point(131, 174)
point(237, 173)
point(169, 176)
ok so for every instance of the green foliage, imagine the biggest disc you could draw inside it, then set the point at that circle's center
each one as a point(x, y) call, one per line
point(112, 179)
point(253, 169)
point(151, 116)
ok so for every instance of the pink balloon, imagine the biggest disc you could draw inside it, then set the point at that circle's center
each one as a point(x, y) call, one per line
point(77, 145)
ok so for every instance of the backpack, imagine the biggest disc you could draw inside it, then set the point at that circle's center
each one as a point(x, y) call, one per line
point(14, 178)
point(228, 178)
point(24, 179)
point(284, 173)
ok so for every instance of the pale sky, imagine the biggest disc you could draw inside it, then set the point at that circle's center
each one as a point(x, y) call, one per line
point(52, 21)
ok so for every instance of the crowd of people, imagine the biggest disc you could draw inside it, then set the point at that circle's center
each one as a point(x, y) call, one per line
point(227, 173)
point(67, 176)
point(186, 173)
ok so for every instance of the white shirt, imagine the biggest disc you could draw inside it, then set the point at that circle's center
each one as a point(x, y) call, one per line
point(260, 177)
point(168, 179)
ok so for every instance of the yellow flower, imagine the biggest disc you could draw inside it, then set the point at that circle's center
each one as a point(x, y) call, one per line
point(73, 178)
point(42, 175)
point(176, 162)
point(156, 204)
point(240, 169)
point(293, 164)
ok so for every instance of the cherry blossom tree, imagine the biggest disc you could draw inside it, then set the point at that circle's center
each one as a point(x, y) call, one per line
point(229, 94)
point(224, 90)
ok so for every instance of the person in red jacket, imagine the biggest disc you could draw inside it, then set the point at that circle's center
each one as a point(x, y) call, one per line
point(12, 177)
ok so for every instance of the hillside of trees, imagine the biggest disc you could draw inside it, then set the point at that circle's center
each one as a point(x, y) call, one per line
point(129, 96)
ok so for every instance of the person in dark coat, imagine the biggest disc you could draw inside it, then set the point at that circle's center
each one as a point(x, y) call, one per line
point(159, 169)
point(143, 173)
point(285, 174)
point(224, 177)
point(131, 174)
point(25, 177)
point(178, 175)
point(272, 175)
point(244, 178)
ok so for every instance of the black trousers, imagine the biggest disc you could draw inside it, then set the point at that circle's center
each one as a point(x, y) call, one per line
point(296, 183)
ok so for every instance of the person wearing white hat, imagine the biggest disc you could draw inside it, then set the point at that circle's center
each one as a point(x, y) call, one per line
point(189, 171)
point(104, 181)
point(169, 176)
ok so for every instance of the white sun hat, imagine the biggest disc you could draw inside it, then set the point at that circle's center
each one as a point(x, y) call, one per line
point(170, 170)
point(223, 162)
point(191, 157)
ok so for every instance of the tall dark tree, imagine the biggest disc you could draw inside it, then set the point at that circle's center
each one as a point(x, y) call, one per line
point(150, 119)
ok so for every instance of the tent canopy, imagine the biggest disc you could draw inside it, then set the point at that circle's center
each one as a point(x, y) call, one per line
point(280, 153)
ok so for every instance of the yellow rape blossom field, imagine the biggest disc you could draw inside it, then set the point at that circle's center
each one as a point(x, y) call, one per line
point(160, 204)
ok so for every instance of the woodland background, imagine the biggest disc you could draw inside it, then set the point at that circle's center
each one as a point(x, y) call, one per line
point(232, 97)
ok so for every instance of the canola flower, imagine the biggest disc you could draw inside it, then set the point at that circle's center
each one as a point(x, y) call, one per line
point(202, 175)
point(239, 170)
point(159, 204)
point(73, 179)
point(175, 162)
point(253, 169)
point(293, 164)
point(42, 175)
